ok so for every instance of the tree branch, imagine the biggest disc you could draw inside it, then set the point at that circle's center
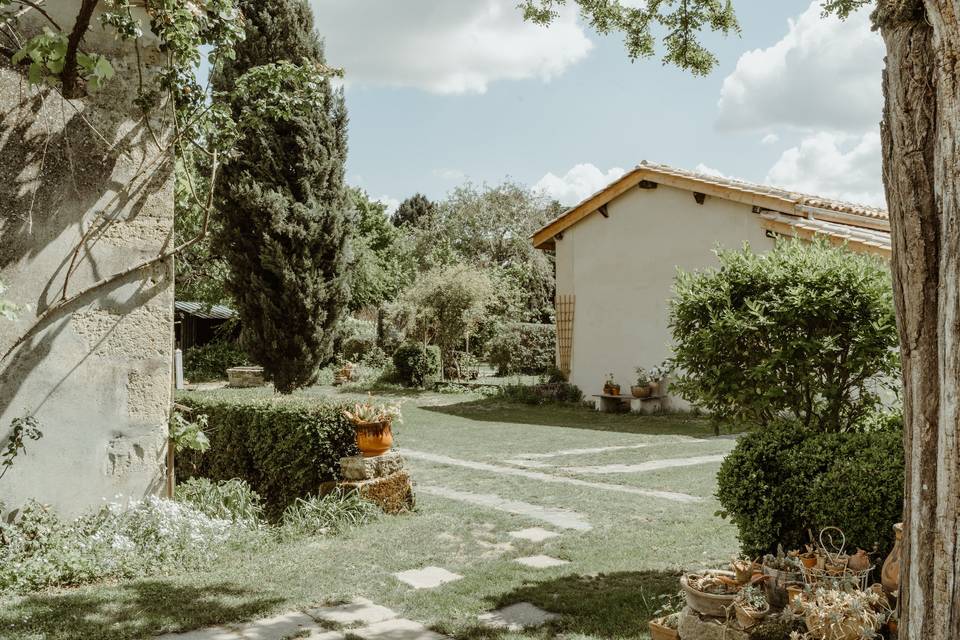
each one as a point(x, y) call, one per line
point(72, 83)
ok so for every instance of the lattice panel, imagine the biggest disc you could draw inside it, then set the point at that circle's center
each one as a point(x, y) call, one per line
point(565, 309)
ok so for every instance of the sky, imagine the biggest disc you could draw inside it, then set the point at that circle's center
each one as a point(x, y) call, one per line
point(444, 91)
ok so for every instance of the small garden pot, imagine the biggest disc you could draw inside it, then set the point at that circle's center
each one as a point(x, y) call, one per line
point(714, 605)
point(659, 631)
point(611, 389)
point(640, 392)
point(748, 617)
point(373, 438)
point(775, 586)
point(809, 560)
point(654, 388)
point(794, 591)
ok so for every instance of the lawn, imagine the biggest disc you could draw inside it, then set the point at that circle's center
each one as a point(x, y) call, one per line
point(630, 546)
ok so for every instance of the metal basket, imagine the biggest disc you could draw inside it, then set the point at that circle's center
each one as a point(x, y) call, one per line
point(832, 579)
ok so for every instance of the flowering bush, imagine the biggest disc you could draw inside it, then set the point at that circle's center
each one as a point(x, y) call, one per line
point(373, 412)
point(149, 536)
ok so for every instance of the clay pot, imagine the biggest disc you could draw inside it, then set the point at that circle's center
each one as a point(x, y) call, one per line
point(709, 604)
point(612, 389)
point(794, 591)
point(890, 573)
point(659, 631)
point(641, 392)
point(859, 561)
point(748, 618)
point(373, 438)
point(775, 586)
point(809, 560)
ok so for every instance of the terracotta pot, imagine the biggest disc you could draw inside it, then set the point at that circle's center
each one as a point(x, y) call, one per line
point(709, 604)
point(373, 438)
point(809, 560)
point(794, 591)
point(612, 389)
point(661, 632)
point(747, 619)
point(859, 561)
point(655, 388)
point(890, 574)
point(640, 392)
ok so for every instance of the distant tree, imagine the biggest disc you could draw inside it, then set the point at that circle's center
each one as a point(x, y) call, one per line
point(382, 264)
point(282, 200)
point(413, 211)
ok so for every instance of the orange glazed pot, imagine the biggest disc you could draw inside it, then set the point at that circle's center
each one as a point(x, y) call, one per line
point(373, 438)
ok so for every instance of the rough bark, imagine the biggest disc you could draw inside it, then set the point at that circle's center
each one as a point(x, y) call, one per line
point(920, 159)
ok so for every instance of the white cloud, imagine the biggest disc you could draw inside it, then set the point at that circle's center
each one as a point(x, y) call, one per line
point(577, 183)
point(770, 138)
point(835, 166)
point(390, 203)
point(446, 173)
point(709, 171)
point(823, 74)
point(451, 47)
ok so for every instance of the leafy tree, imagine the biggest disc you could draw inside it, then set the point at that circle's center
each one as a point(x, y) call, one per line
point(382, 264)
point(413, 211)
point(447, 304)
point(920, 156)
point(806, 331)
point(281, 197)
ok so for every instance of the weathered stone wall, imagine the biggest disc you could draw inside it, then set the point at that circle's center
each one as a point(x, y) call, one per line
point(97, 375)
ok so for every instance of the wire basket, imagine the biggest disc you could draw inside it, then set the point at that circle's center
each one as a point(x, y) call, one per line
point(835, 574)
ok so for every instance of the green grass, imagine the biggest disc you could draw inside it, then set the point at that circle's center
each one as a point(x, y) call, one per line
point(609, 589)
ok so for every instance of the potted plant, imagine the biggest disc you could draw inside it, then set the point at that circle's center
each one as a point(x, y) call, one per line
point(373, 424)
point(642, 388)
point(751, 607)
point(610, 387)
point(743, 569)
point(657, 375)
point(832, 614)
point(710, 593)
point(666, 618)
point(781, 569)
point(795, 593)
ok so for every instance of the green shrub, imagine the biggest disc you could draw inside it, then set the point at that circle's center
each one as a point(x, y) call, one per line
point(357, 338)
point(147, 537)
point(284, 448)
point(461, 365)
point(327, 515)
point(805, 331)
point(539, 394)
point(231, 500)
point(210, 361)
point(523, 348)
point(417, 365)
point(783, 480)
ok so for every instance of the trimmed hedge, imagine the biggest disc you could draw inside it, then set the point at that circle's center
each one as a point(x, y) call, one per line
point(417, 365)
point(210, 361)
point(283, 448)
point(781, 480)
point(523, 348)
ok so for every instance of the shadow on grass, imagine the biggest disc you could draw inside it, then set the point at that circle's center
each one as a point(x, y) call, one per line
point(131, 610)
point(610, 605)
point(577, 417)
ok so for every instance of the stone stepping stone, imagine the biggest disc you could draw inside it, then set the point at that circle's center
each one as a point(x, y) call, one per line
point(541, 562)
point(358, 611)
point(318, 634)
point(278, 627)
point(212, 633)
point(397, 629)
point(534, 534)
point(517, 617)
point(532, 464)
point(426, 578)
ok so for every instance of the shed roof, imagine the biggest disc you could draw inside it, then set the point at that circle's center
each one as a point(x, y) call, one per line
point(204, 310)
point(838, 215)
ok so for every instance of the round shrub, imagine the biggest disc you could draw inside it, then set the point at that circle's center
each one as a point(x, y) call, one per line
point(357, 338)
point(417, 365)
point(461, 365)
point(783, 480)
point(523, 348)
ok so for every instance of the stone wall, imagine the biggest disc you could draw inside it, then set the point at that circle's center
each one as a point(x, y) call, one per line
point(97, 375)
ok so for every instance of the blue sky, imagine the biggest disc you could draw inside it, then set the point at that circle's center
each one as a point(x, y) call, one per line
point(440, 91)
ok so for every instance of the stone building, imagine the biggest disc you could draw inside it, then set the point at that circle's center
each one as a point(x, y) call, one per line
point(85, 194)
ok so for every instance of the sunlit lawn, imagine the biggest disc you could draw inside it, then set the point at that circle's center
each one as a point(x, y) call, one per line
point(609, 589)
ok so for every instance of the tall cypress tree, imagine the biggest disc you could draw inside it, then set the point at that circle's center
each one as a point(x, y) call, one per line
point(284, 206)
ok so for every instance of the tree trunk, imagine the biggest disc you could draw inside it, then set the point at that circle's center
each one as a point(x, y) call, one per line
point(921, 156)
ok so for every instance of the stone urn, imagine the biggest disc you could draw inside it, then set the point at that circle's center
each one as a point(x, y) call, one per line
point(890, 573)
point(374, 438)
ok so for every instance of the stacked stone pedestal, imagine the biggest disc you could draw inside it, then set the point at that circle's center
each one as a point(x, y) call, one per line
point(381, 479)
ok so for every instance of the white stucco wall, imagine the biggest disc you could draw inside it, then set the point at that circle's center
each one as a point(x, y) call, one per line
point(621, 270)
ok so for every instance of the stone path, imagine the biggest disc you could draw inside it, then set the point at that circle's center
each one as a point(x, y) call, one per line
point(517, 617)
point(360, 618)
point(533, 534)
point(427, 578)
point(652, 465)
point(541, 562)
point(546, 477)
point(561, 518)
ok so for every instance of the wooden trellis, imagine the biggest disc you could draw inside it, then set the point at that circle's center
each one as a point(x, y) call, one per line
point(565, 308)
